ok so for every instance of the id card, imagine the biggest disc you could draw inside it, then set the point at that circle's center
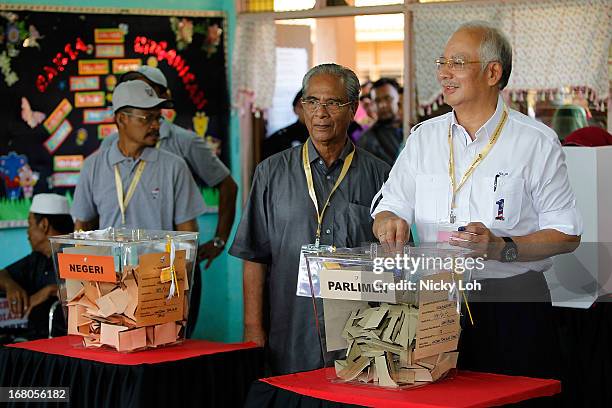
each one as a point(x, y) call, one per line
point(303, 281)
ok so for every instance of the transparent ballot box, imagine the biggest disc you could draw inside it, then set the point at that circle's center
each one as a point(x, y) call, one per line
point(127, 289)
point(387, 319)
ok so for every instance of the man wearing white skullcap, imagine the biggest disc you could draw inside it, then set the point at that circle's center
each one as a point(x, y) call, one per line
point(30, 283)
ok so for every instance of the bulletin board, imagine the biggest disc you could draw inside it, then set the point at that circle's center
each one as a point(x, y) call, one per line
point(58, 68)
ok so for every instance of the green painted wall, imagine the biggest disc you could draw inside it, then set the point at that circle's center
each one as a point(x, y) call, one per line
point(220, 316)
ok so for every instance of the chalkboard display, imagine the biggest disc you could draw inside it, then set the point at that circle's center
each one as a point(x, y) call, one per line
point(57, 74)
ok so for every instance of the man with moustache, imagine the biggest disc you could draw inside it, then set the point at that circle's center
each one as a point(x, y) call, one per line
point(384, 138)
point(205, 166)
point(282, 214)
point(501, 178)
point(133, 184)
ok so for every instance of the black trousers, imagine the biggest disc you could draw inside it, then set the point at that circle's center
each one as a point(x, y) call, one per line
point(513, 331)
point(194, 303)
point(532, 338)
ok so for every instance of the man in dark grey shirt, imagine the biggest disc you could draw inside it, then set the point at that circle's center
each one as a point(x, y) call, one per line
point(280, 217)
point(384, 138)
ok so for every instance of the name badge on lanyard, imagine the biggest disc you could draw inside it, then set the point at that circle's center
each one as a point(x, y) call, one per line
point(305, 280)
point(311, 189)
point(123, 202)
point(308, 278)
point(477, 160)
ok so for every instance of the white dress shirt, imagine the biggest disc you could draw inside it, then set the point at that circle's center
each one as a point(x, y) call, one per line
point(525, 168)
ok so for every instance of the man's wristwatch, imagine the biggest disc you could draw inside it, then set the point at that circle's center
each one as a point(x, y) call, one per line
point(218, 242)
point(510, 251)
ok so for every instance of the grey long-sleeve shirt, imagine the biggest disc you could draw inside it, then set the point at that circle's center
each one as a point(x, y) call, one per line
point(280, 217)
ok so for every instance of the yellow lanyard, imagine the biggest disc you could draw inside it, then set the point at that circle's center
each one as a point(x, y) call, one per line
point(123, 202)
point(311, 190)
point(479, 158)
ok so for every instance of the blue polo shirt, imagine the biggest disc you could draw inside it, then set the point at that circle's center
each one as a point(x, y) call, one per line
point(205, 166)
point(165, 196)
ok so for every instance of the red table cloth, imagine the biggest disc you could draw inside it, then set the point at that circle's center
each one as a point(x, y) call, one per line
point(70, 346)
point(194, 374)
point(466, 389)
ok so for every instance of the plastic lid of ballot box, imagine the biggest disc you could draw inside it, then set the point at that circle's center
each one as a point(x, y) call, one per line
point(387, 319)
point(125, 289)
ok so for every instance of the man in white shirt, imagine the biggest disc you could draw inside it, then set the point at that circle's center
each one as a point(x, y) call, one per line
point(518, 191)
point(501, 178)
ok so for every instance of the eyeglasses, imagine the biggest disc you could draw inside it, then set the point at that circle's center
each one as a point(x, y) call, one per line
point(333, 107)
point(146, 119)
point(455, 64)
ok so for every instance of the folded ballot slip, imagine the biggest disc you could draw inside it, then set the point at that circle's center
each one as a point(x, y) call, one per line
point(383, 326)
point(126, 289)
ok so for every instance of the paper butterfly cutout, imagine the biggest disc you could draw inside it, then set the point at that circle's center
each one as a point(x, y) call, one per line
point(33, 119)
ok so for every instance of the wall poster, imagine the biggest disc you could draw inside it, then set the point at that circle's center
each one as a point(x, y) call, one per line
point(58, 69)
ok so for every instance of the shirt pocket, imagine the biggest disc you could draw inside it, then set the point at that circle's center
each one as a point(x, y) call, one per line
point(482, 201)
point(359, 225)
point(507, 202)
point(155, 201)
point(432, 201)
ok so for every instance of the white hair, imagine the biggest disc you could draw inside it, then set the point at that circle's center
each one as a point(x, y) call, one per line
point(348, 77)
point(494, 47)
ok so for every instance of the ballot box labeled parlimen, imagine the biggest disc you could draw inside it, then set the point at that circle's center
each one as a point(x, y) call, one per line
point(388, 319)
point(127, 289)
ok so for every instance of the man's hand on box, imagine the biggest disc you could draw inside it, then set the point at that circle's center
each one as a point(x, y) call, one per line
point(479, 239)
point(392, 231)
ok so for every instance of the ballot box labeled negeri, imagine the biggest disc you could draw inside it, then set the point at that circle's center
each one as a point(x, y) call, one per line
point(389, 319)
point(124, 288)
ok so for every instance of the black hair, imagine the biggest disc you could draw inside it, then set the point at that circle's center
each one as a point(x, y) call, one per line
point(386, 81)
point(62, 223)
point(297, 98)
point(125, 108)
